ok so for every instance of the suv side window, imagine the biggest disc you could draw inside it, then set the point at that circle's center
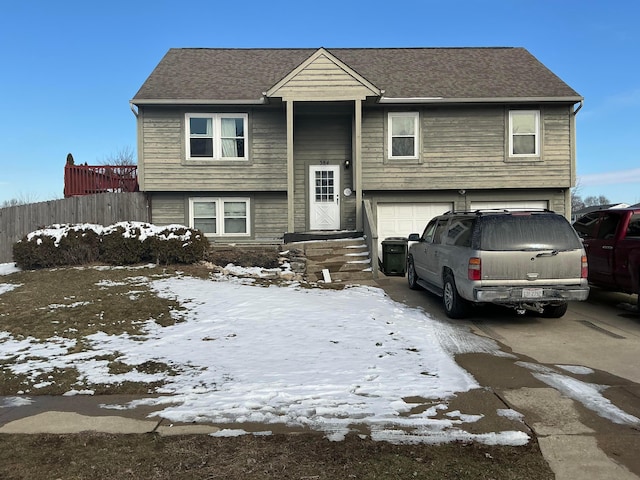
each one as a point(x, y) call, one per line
point(438, 237)
point(427, 235)
point(586, 225)
point(459, 232)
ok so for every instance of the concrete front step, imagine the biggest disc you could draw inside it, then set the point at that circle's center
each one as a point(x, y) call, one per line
point(347, 260)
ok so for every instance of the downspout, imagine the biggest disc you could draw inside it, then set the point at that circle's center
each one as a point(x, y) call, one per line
point(136, 113)
point(574, 161)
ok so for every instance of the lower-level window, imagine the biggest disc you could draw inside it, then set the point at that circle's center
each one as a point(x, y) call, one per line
point(220, 216)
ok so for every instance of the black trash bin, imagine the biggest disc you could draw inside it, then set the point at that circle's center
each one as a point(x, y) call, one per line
point(394, 256)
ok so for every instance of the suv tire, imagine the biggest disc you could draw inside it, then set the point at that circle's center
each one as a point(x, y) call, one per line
point(412, 278)
point(454, 305)
point(554, 311)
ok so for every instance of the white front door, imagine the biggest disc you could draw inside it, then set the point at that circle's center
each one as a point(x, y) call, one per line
point(324, 201)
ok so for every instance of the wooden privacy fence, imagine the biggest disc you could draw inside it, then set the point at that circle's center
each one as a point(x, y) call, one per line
point(102, 209)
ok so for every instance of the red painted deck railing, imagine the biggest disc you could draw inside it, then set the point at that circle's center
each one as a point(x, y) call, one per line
point(88, 179)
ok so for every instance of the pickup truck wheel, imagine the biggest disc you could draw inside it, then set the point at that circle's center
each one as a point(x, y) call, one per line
point(412, 278)
point(554, 311)
point(454, 305)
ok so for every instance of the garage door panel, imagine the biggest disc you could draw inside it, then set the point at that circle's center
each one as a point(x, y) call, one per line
point(402, 219)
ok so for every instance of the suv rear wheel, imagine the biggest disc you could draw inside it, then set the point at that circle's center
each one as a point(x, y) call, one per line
point(454, 305)
point(554, 311)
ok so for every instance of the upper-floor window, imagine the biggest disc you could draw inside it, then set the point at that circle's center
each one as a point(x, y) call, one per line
point(216, 136)
point(220, 216)
point(403, 134)
point(524, 133)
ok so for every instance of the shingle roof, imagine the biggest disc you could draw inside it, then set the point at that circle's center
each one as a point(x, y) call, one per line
point(450, 73)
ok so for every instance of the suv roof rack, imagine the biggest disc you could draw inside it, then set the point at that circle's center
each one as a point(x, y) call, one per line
point(480, 211)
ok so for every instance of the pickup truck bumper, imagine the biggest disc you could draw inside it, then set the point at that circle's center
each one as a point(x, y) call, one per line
point(515, 295)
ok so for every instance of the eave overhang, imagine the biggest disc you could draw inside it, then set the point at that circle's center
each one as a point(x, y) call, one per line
point(443, 100)
point(198, 101)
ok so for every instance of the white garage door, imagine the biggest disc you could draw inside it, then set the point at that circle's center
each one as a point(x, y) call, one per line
point(520, 204)
point(401, 219)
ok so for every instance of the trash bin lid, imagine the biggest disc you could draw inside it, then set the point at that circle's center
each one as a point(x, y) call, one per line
point(395, 239)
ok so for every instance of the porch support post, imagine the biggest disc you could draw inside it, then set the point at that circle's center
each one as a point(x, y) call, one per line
point(290, 169)
point(357, 164)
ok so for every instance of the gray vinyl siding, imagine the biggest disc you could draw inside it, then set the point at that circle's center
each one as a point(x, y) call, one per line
point(268, 213)
point(466, 148)
point(322, 140)
point(166, 169)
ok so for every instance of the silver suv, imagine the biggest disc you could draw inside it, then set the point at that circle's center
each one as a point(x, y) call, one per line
point(527, 260)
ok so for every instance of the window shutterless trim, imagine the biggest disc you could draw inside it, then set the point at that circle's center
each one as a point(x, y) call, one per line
point(216, 136)
point(536, 134)
point(220, 218)
point(415, 136)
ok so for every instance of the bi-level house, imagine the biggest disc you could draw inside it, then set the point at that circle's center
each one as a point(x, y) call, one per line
point(252, 145)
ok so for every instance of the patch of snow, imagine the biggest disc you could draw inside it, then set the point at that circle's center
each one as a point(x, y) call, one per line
point(8, 268)
point(74, 392)
point(586, 393)
point(576, 369)
point(7, 287)
point(228, 432)
point(55, 306)
point(109, 283)
point(510, 414)
point(10, 402)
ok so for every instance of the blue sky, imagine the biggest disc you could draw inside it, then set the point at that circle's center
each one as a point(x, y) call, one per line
point(69, 68)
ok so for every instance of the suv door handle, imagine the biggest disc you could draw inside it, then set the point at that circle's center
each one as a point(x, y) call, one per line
point(607, 247)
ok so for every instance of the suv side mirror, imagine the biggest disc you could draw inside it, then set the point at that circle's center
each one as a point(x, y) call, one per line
point(414, 237)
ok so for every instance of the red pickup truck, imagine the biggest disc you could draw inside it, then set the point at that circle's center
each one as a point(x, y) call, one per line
point(611, 239)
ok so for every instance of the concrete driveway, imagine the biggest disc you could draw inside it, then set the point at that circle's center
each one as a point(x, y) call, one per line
point(594, 348)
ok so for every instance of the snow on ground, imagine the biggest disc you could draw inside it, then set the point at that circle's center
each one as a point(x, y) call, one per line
point(316, 358)
point(8, 268)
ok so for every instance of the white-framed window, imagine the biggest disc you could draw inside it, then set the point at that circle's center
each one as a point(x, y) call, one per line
point(403, 130)
point(217, 136)
point(220, 216)
point(524, 133)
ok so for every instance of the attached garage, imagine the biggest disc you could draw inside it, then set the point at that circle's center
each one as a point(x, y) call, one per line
point(401, 219)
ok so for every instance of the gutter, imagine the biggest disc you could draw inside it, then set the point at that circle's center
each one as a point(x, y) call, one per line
point(436, 100)
point(196, 101)
point(575, 112)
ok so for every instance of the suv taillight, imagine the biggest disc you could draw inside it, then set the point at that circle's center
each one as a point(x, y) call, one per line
point(584, 270)
point(475, 269)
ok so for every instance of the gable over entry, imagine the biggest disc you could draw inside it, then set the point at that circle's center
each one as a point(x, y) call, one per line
point(324, 78)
